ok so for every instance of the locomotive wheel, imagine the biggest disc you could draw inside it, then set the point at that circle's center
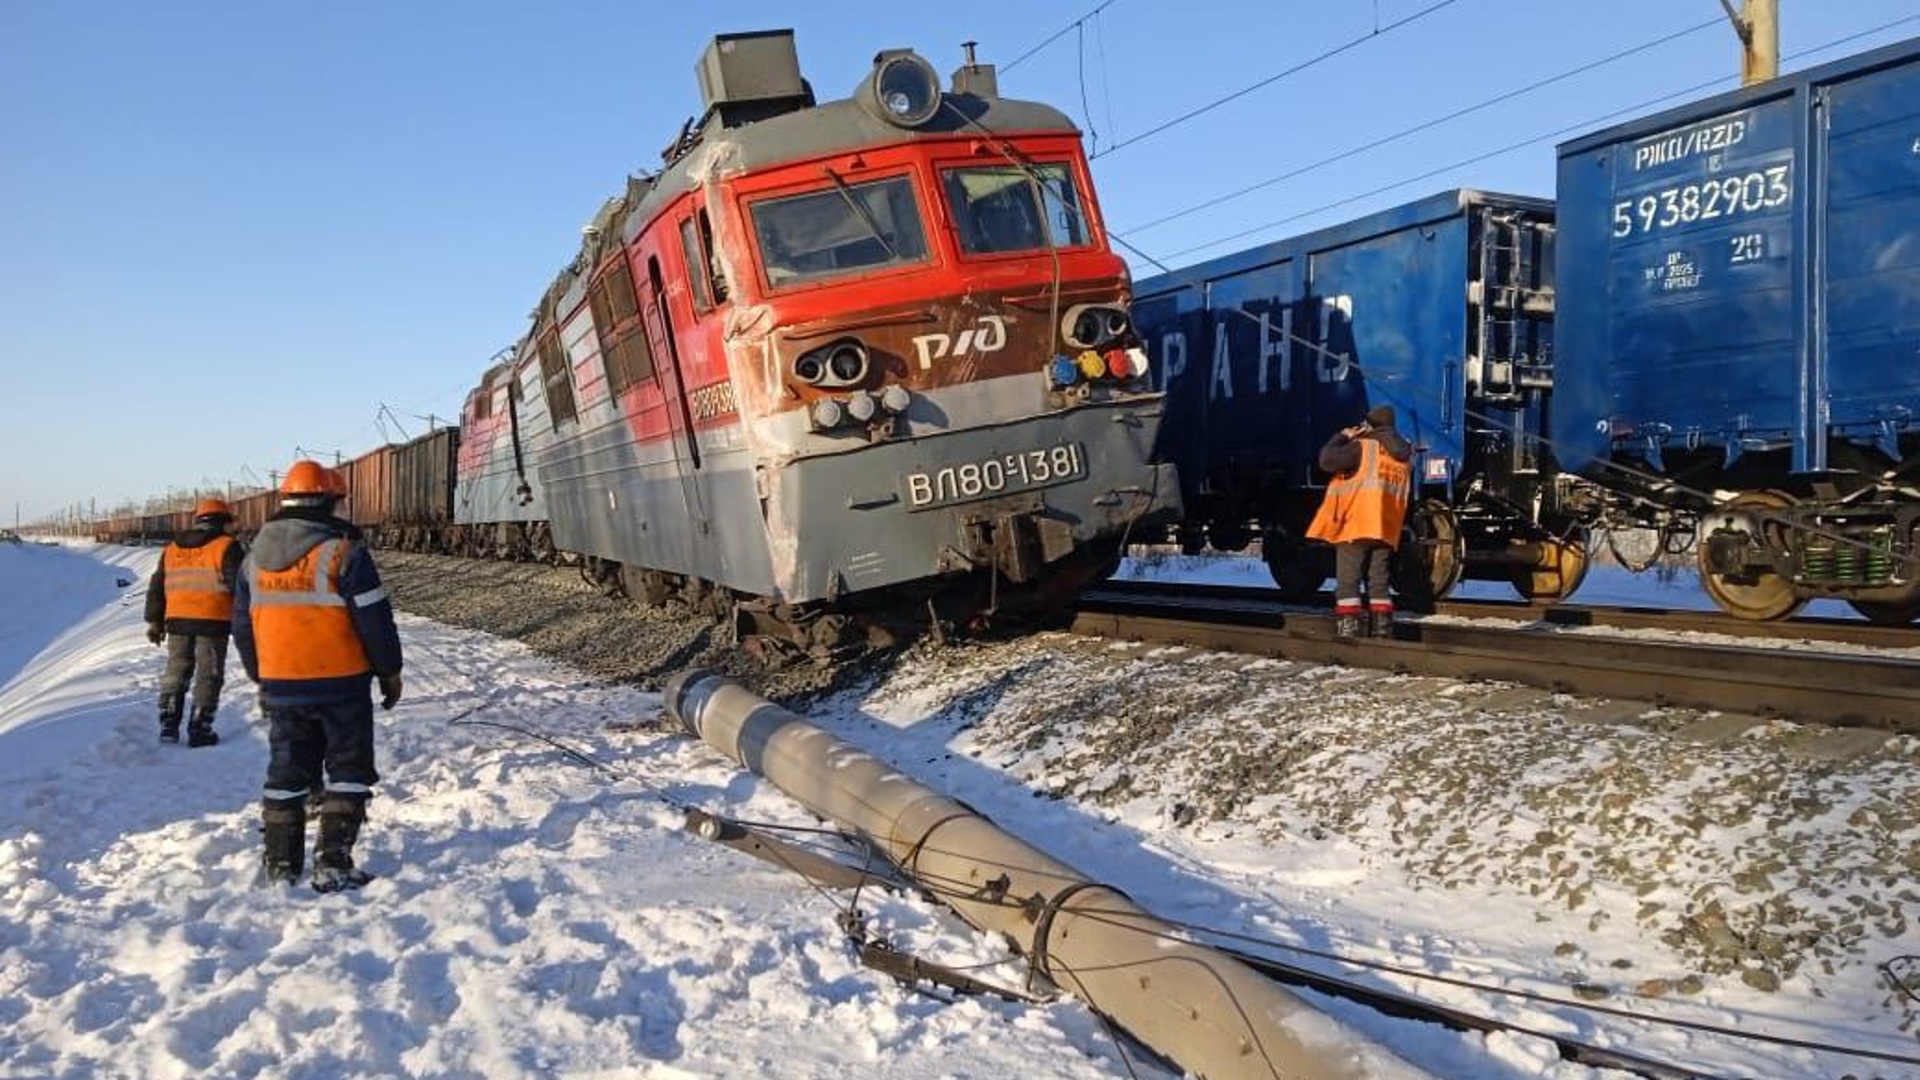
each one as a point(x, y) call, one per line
point(1560, 570)
point(1771, 596)
point(1887, 612)
point(1432, 555)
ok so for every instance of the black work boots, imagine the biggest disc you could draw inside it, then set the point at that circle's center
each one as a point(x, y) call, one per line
point(284, 825)
point(200, 729)
point(340, 819)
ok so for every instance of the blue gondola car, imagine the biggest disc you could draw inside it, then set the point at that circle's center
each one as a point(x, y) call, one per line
point(1442, 308)
point(1739, 332)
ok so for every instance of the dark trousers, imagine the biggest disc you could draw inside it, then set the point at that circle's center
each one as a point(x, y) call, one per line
point(1358, 560)
point(199, 660)
point(336, 736)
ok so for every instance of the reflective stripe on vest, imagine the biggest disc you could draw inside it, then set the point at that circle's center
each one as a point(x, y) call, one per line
point(302, 627)
point(1368, 504)
point(192, 581)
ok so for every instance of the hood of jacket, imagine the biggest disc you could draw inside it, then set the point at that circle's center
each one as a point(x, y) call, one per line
point(197, 536)
point(284, 541)
point(1392, 442)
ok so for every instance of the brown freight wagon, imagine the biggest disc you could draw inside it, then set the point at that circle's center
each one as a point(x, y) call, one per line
point(369, 500)
point(252, 511)
point(424, 474)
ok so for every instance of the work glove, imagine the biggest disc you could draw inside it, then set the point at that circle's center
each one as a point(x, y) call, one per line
point(389, 690)
point(156, 632)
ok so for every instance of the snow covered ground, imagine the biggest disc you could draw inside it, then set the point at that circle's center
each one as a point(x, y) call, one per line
point(536, 916)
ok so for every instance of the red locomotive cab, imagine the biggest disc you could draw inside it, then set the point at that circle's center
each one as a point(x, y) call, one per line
point(871, 279)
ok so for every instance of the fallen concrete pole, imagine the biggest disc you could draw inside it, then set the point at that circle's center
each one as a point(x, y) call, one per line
point(1208, 1013)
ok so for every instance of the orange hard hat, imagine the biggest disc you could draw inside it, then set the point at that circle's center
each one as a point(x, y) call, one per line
point(305, 477)
point(212, 508)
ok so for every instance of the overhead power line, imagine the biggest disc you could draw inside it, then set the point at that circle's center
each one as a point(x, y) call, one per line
point(1062, 32)
point(1277, 76)
point(1423, 126)
point(1507, 149)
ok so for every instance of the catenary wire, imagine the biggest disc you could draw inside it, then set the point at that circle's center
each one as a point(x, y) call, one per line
point(1057, 35)
point(1276, 77)
point(1507, 149)
point(1423, 126)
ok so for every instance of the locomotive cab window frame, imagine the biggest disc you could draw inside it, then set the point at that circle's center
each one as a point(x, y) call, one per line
point(839, 229)
point(1010, 209)
point(704, 269)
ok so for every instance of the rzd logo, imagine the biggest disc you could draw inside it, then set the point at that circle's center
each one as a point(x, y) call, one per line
point(988, 335)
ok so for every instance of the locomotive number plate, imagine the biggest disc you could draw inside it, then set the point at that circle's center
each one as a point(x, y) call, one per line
point(1007, 473)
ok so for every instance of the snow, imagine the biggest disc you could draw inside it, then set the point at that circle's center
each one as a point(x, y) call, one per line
point(537, 916)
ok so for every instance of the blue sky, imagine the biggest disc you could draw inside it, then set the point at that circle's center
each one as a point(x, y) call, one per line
point(233, 230)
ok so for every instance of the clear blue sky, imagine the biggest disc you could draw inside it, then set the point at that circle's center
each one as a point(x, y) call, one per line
point(229, 229)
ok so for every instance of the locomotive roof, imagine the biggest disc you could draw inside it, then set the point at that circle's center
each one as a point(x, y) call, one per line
point(803, 132)
point(835, 127)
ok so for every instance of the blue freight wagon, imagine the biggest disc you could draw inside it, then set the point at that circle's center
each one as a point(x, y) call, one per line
point(1739, 332)
point(1442, 308)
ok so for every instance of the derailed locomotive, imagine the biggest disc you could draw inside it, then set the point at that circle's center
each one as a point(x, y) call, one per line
point(1442, 308)
point(833, 354)
point(1739, 345)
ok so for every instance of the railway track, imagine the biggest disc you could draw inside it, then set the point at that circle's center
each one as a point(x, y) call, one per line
point(1839, 689)
point(1679, 620)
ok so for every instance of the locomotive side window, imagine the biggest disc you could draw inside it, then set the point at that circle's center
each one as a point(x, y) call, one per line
point(1005, 208)
point(557, 375)
point(623, 340)
point(845, 228)
point(696, 263)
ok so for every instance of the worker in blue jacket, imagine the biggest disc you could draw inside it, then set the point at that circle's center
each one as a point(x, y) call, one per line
point(315, 630)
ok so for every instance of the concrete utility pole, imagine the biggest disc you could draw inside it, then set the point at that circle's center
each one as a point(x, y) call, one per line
point(1758, 24)
point(1209, 1013)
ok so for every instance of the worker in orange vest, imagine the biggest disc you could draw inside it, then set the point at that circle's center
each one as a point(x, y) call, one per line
point(1364, 507)
point(190, 608)
point(315, 630)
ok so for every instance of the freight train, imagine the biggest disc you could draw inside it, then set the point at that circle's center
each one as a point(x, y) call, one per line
point(834, 360)
point(1710, 342)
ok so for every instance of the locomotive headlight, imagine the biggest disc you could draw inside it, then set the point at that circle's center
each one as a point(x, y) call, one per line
point(903, 90)
point(1092, 326)
point(896, 399)
point(842, 363)
point(847, 362)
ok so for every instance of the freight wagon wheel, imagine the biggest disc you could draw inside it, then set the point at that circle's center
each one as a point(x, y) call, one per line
point(1887, 612)
point(1768, 596)
point(1432, 555)
point(1559, 569)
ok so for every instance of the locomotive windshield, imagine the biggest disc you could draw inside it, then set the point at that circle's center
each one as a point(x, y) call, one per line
point(1008, 208)
point(845, 228)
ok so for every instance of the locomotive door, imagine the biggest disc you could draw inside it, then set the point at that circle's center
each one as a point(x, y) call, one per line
point(685, 441)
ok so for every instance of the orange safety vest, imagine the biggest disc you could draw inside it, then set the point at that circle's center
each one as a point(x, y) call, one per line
point(301, 626)
point(192, 581)
point(1369, 503)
